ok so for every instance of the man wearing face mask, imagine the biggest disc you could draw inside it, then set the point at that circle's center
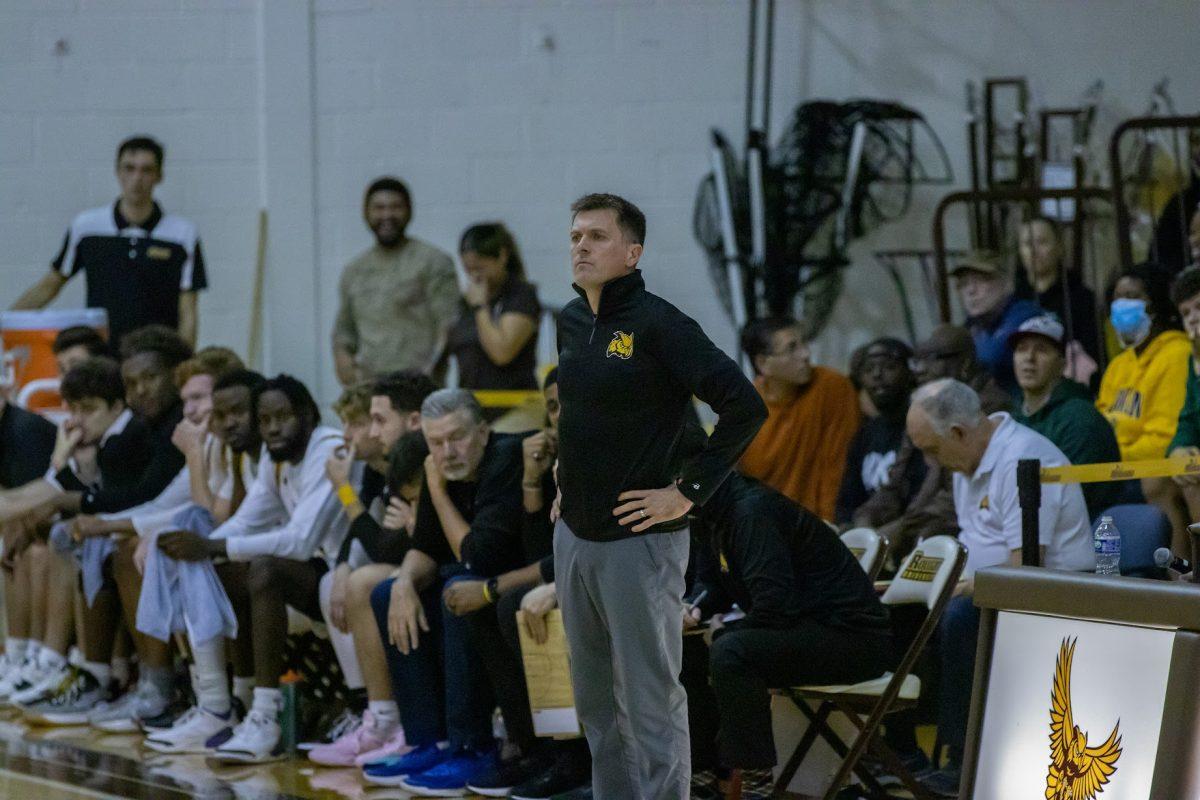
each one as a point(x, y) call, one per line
point(985, 289)
point(1143, 388)
point(398, 299)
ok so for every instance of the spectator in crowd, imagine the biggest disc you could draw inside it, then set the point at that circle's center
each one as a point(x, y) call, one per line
point(467, 526)
point(495, 339)
point(143, 267)
point(854, 373)
point(1142, 390)
point(1171, 230)
point(1179, 497)
point(398, 299)
point(813, 413)
point(1061, 409)
point(812, 617)
point(904, 509)
point(1059, 289)
point(985, 289)
point(374, 547)
point(888, 381)
point(76, 344)
point(947, 423)
point(284, 532)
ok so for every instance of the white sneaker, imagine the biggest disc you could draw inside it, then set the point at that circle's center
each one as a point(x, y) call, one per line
point(45, 684)
point(197, 731)
point(123, 713)
point(18, 677)
point(257, 740)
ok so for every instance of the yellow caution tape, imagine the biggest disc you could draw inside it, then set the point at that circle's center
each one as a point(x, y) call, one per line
point(506, 398)
point(1122, 470)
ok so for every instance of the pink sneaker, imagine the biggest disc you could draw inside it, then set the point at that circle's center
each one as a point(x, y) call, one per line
point(394, 746)
point(343, 751)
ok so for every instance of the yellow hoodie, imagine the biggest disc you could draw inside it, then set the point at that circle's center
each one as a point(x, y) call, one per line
point(1141, 395)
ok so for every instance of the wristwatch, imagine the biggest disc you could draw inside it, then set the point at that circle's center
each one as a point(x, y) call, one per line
point(493, 590)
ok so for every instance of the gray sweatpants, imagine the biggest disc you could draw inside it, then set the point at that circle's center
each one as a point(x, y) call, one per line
point(622, 605)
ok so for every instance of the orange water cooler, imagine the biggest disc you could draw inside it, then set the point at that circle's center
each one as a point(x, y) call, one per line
point(28, 365)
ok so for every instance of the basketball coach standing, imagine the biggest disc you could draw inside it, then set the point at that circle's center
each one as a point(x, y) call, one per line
point(629, 363)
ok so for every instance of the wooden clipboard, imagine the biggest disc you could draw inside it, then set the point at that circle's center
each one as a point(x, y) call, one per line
point(548, 678)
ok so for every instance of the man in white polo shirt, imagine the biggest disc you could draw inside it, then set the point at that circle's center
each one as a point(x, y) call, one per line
point(946, 422)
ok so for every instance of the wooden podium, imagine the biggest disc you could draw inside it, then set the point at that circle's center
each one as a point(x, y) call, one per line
point(1080, 678)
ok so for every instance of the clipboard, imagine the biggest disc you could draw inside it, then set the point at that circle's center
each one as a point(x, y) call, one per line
point(548, 679)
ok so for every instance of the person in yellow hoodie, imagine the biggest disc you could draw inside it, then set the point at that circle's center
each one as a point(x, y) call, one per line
point(1143, 388)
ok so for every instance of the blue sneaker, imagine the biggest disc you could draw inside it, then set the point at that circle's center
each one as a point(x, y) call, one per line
point(450, 778)
point(391, 771)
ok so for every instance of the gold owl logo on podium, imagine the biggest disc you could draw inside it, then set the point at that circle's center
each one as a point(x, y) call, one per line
point(1077, 772)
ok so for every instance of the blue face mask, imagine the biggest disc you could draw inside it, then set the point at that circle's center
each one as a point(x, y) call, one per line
point(1130, 321)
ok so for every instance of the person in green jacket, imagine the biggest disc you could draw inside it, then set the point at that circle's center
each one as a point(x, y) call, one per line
point(1185, 489)
point(1061, 409)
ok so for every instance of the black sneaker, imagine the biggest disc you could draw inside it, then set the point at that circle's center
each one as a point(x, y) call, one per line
point(565, 775)
point(501, 778)
point(333, 730)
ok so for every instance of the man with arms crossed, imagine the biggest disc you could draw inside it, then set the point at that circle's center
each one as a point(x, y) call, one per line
point(629, 363)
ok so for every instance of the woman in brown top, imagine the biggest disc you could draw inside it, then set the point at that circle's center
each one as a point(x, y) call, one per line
point(495, 337)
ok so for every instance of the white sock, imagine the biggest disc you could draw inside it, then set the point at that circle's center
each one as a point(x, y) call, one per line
point(101, 672)
point(268, 702)
point(15, 648)
point(386, 714)
point(49, 660)
point(212, 687)
point(243, 689)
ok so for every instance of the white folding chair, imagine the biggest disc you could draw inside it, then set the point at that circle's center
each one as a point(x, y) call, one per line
point(869, 547)
point(927, 576)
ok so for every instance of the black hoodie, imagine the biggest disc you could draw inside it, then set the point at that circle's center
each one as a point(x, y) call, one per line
point(625, 379)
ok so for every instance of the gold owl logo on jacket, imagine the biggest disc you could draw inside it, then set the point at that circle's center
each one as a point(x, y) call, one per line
point(1077, 772)
point(621, 346)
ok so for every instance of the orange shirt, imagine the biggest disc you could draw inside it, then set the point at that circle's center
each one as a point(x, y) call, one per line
point(801, 449)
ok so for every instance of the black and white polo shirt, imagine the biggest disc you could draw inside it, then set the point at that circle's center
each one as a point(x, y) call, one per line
point(135, 272)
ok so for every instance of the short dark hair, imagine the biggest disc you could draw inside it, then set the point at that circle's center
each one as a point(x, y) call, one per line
point(239, 377)
point(1157, 283)
point(164, 342)
point(757, 334)
point(98, 377)
point(630, 218)
point(142, 143)
point(387, 183)
point(405, 389)
point(493, 239)
point(81, 336)
point(296, 393)
point(406, 461)
point(1186, 285)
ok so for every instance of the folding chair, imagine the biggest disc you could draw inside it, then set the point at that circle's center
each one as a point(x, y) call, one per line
point(928, 576)
point(869, 547)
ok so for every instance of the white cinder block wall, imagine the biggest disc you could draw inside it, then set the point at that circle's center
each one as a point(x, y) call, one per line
point(492, 110)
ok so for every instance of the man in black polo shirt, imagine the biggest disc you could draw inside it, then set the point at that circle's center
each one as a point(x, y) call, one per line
point(629, 364)
point(143, 267)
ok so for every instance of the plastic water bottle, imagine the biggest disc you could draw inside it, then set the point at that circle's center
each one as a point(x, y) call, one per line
point(1107, 540)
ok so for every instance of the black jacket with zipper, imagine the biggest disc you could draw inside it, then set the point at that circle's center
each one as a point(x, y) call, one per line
point(625, 378)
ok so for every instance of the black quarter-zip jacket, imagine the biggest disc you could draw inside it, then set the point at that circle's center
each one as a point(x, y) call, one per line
point(625, 378)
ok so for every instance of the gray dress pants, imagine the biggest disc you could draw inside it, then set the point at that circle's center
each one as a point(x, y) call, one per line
point(622, 605)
